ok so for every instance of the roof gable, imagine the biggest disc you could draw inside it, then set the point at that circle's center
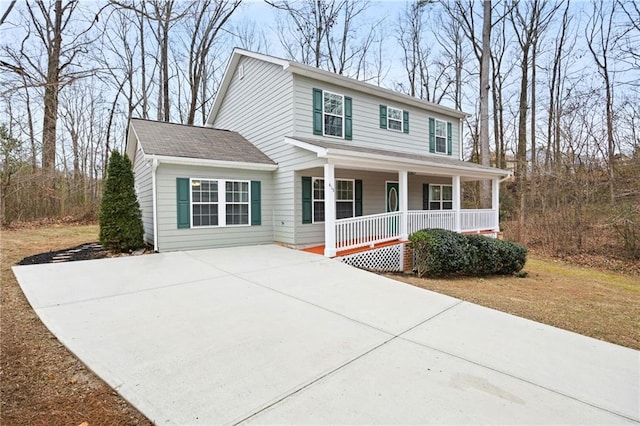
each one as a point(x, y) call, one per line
point(195, 142)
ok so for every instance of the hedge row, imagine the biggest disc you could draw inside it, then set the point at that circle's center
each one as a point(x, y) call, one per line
point(439, 252)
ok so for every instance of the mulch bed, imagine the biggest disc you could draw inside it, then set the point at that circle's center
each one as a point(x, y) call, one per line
point(82, 252)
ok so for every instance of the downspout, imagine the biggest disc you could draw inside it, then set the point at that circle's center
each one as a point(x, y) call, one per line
point(154, 201)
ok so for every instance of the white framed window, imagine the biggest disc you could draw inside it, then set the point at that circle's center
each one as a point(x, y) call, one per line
point(204, 202)
point(236, 202)
point(318, 200)
point(441, 136)
point(394, 119)
point(333, 114)
point(345, 199)
point(440, 197)
point(219, 202)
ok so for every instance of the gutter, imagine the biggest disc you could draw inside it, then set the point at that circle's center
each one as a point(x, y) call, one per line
point(186, 161)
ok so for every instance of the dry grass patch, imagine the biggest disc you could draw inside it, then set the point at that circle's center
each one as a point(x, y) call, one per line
point(603, 305)
point(41, 382)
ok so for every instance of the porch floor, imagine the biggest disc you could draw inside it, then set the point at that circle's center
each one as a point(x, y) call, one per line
point(320, 249)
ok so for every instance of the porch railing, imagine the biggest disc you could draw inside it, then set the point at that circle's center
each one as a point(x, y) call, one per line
point(422, 219)
point(362, 231)
point(367, 230)
point(478, 220)
point(470, 220)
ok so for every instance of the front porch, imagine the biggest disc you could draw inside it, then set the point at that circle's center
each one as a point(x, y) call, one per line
point(357, 198)
point(367, 231)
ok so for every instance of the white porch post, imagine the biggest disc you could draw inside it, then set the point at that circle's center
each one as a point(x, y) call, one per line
point(455, 181)
point(329, 210)
point(495, 202)
point(403, 186)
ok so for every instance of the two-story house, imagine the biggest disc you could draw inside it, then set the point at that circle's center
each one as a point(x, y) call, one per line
point(305, 158)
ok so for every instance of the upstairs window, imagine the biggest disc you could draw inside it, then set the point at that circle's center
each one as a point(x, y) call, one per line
point(441, 137)
point(332, 114)
point(394, 119)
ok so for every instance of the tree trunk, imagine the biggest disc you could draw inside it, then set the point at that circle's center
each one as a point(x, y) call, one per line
point(485, 155)
point(50, 115)
point(521, 153)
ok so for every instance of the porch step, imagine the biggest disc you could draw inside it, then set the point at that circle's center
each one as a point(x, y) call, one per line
point(320, 249)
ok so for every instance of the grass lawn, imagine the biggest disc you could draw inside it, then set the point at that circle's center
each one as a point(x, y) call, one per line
point(599, 304)
point(40, 381)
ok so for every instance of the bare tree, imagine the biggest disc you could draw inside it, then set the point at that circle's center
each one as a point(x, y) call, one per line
point(162, 16)
point(529, 21)
point(601, 42)
point(556, 83)
point(63, 44)
point(326, 34)
point(463, 12)
point(630, 36)
point(499, 73)
point(428, 78)
point(205, 22)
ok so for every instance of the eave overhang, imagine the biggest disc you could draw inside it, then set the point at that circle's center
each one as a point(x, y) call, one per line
point(187, 161)
point(367, 160)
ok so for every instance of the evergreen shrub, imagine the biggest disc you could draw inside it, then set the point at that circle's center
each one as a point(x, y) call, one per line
point(440, 252)
point(120, 217)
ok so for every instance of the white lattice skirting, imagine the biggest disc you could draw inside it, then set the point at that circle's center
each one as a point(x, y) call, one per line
point(383, 259)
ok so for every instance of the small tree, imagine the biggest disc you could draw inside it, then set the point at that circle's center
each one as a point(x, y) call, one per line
point(120, 216)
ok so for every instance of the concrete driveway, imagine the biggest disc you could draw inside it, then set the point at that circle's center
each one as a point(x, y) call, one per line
point(266, 334)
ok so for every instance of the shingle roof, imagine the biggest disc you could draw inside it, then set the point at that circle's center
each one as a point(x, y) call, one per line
point(445, 161)
point(179, 140)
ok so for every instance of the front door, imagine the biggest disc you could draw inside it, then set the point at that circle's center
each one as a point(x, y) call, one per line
point(393, 205)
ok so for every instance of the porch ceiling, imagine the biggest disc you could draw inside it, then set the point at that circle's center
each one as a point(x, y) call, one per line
point(355, 157)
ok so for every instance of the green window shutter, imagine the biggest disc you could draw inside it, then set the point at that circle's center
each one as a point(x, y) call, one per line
point(348, 126)
point(383, 116)
point(449, 142)
point(425, 196)
point(183, 201)
point(405, 121)
point(317, 112)
point(306, 200)
point(256, 209)
point(432, 135)
point(358, 197)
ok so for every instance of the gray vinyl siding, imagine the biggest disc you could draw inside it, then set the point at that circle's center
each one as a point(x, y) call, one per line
point(144, 191)
point(260, 107)
point(170, 238)
point(373, 197)
point(366, 121)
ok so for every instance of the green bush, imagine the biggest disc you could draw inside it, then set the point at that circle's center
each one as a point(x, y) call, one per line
point(512, 257)
point(483, 256)
point(120, 217)
point(439, 252)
